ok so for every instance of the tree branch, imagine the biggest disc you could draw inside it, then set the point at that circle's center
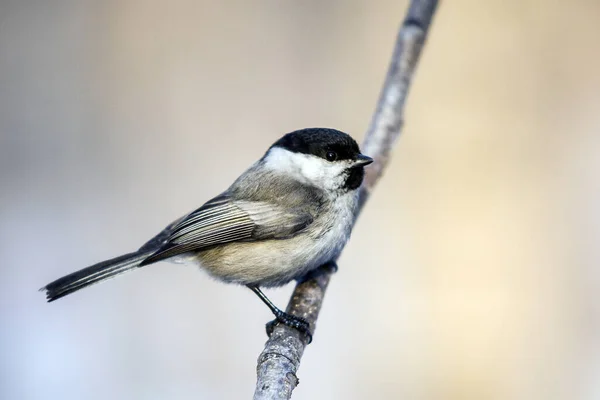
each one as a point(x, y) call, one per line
point(280, 359)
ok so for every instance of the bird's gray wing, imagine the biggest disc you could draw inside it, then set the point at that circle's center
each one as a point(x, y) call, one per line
point(223, 220)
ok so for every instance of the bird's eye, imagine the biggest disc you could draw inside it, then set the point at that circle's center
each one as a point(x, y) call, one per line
point(331, 156)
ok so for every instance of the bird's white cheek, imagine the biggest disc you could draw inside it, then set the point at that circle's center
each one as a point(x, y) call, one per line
point(322, 173)
point(312, 169)
point(325, 175)
point(306, 168)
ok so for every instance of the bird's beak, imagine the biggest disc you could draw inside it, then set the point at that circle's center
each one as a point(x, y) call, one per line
point(362, 160)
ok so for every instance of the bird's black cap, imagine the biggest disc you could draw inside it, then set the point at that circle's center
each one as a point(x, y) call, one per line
point(320, 142)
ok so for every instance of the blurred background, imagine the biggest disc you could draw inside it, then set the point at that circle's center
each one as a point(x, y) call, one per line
point(472, 273)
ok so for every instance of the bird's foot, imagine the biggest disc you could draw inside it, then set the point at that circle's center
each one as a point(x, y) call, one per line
point(300, 324)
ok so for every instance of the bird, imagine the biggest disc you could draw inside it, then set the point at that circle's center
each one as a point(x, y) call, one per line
point(289, 213)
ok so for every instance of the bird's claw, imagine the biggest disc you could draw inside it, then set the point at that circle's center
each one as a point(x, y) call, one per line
point(300, 324)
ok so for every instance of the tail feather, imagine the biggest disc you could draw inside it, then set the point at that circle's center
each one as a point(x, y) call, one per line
point(94, 274)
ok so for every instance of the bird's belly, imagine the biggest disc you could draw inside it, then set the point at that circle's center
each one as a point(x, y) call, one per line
point(267, 263)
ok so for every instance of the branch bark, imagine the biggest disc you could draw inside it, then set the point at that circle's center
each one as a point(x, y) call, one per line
point(280, 359)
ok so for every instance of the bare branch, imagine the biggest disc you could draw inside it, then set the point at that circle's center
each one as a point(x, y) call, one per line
point(279, 361)
point(388, 120)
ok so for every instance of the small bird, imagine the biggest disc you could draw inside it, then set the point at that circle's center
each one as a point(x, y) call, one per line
point(288, 214)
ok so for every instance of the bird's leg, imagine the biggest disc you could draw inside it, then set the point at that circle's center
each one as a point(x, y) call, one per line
point(288, 319)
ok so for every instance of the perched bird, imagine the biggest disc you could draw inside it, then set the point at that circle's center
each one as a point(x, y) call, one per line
point(289, 213)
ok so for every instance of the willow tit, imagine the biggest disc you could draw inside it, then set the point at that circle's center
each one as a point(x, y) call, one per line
point(289, 213)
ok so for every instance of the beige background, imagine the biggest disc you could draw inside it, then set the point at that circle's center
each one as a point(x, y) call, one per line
point(472, 274)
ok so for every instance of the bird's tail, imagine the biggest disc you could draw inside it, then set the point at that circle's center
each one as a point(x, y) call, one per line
point(94, 274)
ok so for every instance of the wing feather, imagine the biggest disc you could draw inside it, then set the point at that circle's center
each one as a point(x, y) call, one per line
point(224, 220)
